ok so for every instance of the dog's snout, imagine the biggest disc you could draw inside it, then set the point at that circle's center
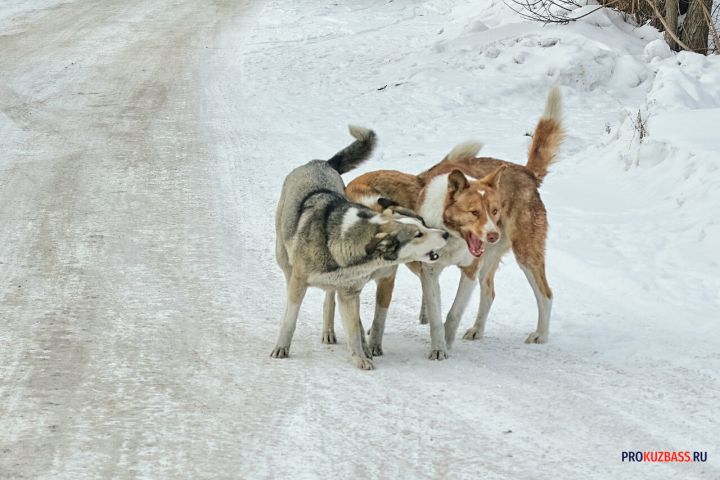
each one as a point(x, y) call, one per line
point(446, 235)
point(493, 237)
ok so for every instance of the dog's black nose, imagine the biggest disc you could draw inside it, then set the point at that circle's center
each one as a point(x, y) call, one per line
point(446, 235)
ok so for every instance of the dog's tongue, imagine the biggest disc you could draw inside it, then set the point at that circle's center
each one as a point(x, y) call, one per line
point(475, 245)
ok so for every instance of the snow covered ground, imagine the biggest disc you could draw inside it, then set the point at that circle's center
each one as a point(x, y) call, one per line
point(143, 148)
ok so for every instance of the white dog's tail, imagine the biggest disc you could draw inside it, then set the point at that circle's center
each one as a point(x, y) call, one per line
point(357, 152)
point(463, 152)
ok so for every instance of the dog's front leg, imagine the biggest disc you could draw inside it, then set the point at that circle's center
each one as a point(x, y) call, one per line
point(487, 296)
point(383, 295)
point(416, 268)
point(462, 297)
point(328, 335)
point(423, 317)
point(350, 313)
point(363, 340)
point(430, 279)
point(487, 290)
point(296, 289)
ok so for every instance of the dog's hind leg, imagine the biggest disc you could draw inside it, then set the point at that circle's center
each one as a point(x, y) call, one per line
point(383, 296)
point(282, 258)
point(328, 334)
point(528, 245)
point(350, 313)
point(535, 273)
point(530, 254)
point(296, 289)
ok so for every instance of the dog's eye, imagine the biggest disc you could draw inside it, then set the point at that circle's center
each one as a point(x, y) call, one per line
point(419, 235)
point(494, 212)
point(476, 213)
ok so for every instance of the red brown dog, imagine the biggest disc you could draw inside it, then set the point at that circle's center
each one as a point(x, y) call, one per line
point(489, 206)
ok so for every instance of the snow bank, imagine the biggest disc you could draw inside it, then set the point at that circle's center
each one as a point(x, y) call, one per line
point(633, 222)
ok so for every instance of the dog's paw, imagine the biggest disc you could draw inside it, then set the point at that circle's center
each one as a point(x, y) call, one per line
point(537, 337)
point(438, 355)
point(473, 334)
point(329, 337)
point(280, 352)
point(363, 363)
point(376, 350)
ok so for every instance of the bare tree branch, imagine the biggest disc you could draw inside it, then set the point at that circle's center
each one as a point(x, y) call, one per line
point(561, 12)
point(540, 10)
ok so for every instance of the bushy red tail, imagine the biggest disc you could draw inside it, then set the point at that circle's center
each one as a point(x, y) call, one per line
point(547, 138)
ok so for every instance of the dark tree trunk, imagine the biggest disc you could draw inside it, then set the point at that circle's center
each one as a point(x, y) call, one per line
point(695, 28)
point(671, 18)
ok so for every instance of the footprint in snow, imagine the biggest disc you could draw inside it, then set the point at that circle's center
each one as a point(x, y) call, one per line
point(492, 52)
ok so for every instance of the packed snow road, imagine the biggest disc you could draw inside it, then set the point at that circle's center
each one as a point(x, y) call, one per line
point(143, 145)
point(116, 267)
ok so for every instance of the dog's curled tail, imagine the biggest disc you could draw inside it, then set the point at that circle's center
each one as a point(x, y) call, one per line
point(355, 153)
point(547, 138)
point(464, 152)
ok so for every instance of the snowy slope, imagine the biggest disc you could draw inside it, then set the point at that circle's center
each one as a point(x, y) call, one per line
point(140, 345)
point(634, 319)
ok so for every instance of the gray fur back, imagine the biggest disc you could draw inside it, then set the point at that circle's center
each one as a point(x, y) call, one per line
point(303, 181)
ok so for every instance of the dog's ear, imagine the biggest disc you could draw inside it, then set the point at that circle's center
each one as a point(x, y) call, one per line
point(376, 239)
point(383, 245)
point(456, 183)
point(492, 179)
point(386, 203)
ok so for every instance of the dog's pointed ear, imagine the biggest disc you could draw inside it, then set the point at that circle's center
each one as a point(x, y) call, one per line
point(374, 242)
point(456, 182)
point(383, 245)
point(492, 179)
point(386, 203)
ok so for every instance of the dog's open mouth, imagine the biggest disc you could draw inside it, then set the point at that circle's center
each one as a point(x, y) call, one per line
point(475, 245)
point(433, 255)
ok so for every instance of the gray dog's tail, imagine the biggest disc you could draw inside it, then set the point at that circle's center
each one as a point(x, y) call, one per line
point(355, 153)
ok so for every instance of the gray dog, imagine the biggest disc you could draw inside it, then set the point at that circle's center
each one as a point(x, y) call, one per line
point(323, 240)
